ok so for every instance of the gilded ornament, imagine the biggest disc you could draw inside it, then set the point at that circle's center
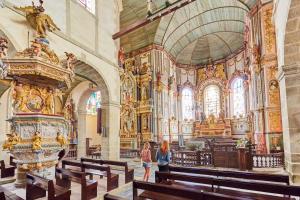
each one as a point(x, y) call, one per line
point(12, 140)
point(220, 72)
point(37, 141)
point(40, 48)
point(37, 19)
point(61, 139)
point(71, 59)
point(201, 74)
point(269, 29)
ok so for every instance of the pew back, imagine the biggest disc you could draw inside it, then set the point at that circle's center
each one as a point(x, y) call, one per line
point(233, 174)
point(215, 183)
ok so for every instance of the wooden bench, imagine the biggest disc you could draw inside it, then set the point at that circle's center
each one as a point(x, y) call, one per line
point(64, 177)
point(5, 194)
point(163, 192)
point(37, 186)
point(232, 174)
point(113, 197)
point(129, 173)
point(6, 171)
point(94, 169)
point(229, 186)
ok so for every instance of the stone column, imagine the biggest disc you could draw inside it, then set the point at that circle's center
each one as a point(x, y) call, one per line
point(81, 148)
point(110, 147)
point(20, 177)
point(289, 81)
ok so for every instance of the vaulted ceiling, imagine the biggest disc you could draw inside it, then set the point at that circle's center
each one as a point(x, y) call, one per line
point(193, 34)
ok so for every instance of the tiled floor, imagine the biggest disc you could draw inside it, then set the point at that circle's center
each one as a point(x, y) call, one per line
point(124, 190)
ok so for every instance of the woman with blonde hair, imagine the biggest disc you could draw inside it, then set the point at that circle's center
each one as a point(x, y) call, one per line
point(146, 160)
point(163, 157)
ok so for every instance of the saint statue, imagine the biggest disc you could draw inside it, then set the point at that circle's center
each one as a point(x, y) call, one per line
point(121, 57)
point(12, 139)
point(37, 141)
point(61, 139)
point(202, 117)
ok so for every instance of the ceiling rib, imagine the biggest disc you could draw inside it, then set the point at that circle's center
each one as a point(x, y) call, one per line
point(220, 38)
point(198, 16)
point(207, 35)
point(175, 42)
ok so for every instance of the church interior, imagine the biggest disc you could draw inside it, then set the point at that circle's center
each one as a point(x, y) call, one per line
point(150, 99)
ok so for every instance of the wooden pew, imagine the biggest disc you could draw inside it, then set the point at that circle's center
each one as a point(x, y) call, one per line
point(163, 192)
point(112, 179)
point(232, 174)
point(233, 186)
point(129, 173)
point(5, 194)
point(113, 197)
point(88, 187)
point(37, 186)
point(6, 171)
point(92, 169)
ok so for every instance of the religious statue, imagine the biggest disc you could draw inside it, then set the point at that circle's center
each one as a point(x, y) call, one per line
point(20, 95)
point(121, 57)
point(220, 73)
point(144, 68)
point(40, 48)
point(37, 141)
point(170, 81)
point(37, 19)
point(49, 102)
point(210, 71)
point(150, 7)
point(202, 117)
point(144, 92)
point(61, 139)
point(68, 110)
point(128, 125)
point(12, 139)
point(71, 58)
point(222, 116)
point(145, 122)
point(211, 121)
point(3, 47)
point(3, 54)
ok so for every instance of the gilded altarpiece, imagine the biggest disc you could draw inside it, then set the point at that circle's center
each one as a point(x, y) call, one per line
point(213, 124)
point(144, 80)
point(269, 64)
point(128, 131)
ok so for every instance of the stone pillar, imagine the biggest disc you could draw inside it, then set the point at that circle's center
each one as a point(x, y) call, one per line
point(20, 177)
point(289, 81)
point(110, 147)
point(81, 147)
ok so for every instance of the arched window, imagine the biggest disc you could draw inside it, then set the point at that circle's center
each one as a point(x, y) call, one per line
point(212, 100)
point(238, 97)
point(88, 4)
point(187, 103)
point(93, 103)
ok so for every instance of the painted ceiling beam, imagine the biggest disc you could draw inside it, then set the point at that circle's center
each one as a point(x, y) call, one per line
point(157, 15)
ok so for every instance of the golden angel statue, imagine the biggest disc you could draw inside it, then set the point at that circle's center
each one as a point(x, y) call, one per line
point(12, 139)
point(37, 19)
point(61, 139)
point(37, 141)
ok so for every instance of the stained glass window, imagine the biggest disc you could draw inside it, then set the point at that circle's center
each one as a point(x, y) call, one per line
point(238, 97)
point(88, 4)
point(93, 103)
point(187, 103)
point(212, 100)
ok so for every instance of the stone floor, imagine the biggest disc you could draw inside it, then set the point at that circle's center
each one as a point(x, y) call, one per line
point(124, 190)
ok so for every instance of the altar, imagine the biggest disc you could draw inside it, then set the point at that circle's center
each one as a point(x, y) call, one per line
point(218, 128)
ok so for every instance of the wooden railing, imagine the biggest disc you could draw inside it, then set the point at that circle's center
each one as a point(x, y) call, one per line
point(72, 154)
point(272, 160)
point(192, 158)
point(206, 158)
point(129, 153)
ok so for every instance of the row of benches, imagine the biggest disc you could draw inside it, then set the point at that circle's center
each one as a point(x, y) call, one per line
point(37, 186)
point(200, 183)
